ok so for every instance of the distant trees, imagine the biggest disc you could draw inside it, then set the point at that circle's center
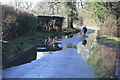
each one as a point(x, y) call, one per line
point(68, 9)
point(100, 10)
point(48, 8)
point(21, 5)
point(71, 12)
point(107, 16)
point(42, 8)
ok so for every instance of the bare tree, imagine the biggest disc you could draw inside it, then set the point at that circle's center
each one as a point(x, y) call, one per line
point(21, 5)
point(17, 4)
point(27, 5)
point(48, 8)
point(42, 8)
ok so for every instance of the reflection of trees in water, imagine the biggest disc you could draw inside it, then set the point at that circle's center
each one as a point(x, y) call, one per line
point(53, 38)
point(69, 36)
point(103, 60)
point(53, 46)
point(70, 45)
point(48, 45)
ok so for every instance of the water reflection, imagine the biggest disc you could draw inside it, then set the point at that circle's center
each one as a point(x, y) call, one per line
point(84, 42)
point(36, 52)
point(102, 58)
point(70, 36)
point(39, 55)
point(47, 46)
point(69, 45)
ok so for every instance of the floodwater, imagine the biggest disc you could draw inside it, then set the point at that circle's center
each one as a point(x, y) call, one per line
point(72, 56)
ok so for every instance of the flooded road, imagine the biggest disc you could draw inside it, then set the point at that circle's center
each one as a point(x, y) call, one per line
point(74, 56)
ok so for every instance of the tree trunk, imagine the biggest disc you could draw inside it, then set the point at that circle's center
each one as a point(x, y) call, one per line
point(70, 23)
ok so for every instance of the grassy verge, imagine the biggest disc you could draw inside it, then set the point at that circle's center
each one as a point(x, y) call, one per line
point(93, 28)
point(110, 42)
point(68, 31)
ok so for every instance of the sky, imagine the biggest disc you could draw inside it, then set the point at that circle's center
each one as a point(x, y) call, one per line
point(34, 1)
point(7, 1)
